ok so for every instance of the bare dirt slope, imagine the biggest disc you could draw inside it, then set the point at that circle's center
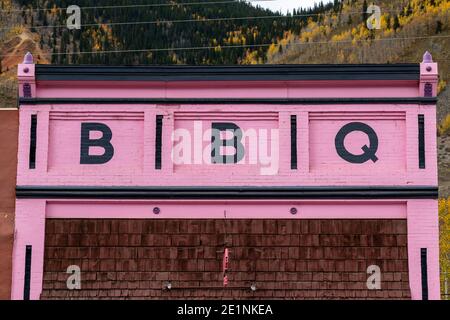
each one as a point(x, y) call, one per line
point(13, 50)
point(444, 165)
point(443, 142)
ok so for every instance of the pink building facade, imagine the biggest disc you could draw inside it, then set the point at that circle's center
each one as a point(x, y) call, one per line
point(328, 142)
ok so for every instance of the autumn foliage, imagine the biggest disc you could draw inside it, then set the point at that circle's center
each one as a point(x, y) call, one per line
point(407, 29)
point(444, 126)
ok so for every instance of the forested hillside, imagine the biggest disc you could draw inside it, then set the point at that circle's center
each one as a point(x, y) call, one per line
point(142, 24)
point(140, 32)
point(408, 28)
point(223, 32)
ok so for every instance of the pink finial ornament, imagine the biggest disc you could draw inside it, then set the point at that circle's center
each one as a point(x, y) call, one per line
point(28, 59)
point(427, 58)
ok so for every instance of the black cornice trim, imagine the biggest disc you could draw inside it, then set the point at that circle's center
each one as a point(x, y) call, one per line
point(229, 73)
point(288, 101)
point(248, 192)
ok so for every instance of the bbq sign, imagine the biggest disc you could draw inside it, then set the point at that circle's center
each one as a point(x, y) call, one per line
point(239, 143)
point(227, 144)
point(250, 143)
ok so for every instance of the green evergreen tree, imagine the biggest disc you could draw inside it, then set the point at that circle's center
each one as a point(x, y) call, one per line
point(364, 12)
point(54, 56)
point(164, 35)
point(438, 26)
point(396, 23)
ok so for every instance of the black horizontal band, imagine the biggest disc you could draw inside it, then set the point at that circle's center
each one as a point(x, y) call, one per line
point(290, 101)
point(229, 73)
point(294, 192)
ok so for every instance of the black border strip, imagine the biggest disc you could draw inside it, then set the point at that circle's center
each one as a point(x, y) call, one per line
point(288, 101)
point(247, 192)
point(27, 276)
point(32, 156)
point(158, 142)
point(421, 124)
point(293, 142)
point(424, 271)
point(229, 73)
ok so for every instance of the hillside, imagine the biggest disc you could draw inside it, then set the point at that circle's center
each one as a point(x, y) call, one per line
point(408, 29)
point(233, 32)
point(155, 25)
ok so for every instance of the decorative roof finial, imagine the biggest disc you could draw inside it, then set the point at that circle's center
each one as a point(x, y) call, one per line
point(28, 59)
point(427, 58)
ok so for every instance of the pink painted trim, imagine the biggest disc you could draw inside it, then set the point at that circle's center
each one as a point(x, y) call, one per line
point(227, 89)
point(26, 71)
point(429, 74)
point(269, 209)
point(423, 232)
point(29, 230)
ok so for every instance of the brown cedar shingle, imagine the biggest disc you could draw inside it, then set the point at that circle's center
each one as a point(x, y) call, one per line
point(301, 259)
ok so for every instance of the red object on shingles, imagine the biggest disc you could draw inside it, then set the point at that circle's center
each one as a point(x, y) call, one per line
point(225, 267)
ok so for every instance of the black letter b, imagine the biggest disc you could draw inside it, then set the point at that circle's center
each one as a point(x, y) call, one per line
point(104, 142)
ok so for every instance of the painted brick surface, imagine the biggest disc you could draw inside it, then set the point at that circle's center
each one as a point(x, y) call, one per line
point(127, 251)
point(287, 259)
point(133, 138)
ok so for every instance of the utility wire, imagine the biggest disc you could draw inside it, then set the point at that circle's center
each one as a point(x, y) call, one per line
point(181, 21)
point(154, 5)
point(171, 21)
point(297, 43)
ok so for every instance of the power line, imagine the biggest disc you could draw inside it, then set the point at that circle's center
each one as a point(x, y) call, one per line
point(171, 21)
point(154, 5)
point(182, 21)
point(234, 46)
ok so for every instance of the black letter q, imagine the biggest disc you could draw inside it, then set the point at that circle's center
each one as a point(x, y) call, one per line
point(369, 152)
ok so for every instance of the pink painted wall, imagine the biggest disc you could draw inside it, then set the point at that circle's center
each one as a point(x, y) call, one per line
point(59, 130)
point(29, 230)
point(391, 132)
point(64, 142)
point(423, 232)
point(133, 164)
